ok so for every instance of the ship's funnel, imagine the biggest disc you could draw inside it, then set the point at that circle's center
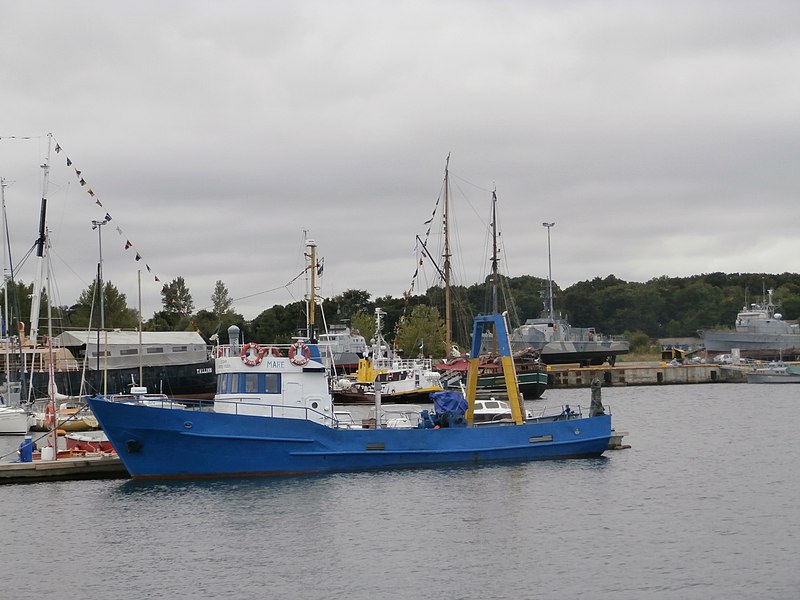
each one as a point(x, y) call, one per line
point(233, 336)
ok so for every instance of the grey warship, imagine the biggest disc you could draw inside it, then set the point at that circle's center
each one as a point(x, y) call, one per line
point(760, 332)
point(558, 342)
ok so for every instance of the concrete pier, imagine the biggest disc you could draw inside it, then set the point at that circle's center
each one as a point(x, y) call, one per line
point(654, 373)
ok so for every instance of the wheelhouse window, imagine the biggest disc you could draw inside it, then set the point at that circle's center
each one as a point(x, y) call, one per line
point(249, 383)
point(157, 350)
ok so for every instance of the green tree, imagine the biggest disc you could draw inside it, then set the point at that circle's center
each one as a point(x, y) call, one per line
point(364, 324)
point(116, 314)
point(349, 303)
point(221, 300)
point(19, 304)
point(176, 298)
point(423, 331)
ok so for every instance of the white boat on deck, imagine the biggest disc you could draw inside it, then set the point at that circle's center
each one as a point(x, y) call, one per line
point(491, 410)
point(14, 420)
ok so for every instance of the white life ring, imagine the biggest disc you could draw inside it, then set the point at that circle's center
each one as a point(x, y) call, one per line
point(299, 353)
point(252, 354)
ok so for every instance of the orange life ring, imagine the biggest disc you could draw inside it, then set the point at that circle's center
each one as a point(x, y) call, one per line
point(272, 351)
point(299, 353)
point(49, 415)
point(252, 354)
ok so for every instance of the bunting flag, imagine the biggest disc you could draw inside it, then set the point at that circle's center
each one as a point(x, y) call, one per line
point(320, 267)
point(91, 192)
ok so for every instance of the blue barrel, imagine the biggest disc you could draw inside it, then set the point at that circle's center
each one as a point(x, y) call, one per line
point(26, 450)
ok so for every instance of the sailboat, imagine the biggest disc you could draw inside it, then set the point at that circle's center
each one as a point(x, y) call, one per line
point(531, 374)
point(14, 419)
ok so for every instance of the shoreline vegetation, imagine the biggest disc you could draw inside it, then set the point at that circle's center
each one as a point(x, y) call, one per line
point(663, 307)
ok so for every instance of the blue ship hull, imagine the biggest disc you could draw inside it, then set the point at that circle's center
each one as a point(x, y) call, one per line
point(174, 443)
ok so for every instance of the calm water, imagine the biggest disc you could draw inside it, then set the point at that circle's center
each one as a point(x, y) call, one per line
point(704, 505)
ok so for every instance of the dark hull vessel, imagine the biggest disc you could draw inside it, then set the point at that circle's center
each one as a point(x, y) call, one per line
point(178, 381)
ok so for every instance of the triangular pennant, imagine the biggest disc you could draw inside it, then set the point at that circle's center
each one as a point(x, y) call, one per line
point(83, 181)
point(128, 244)
point(138, 256)
point(58, 148)
point(69, 162)
point(91, 192)
point(98, 202)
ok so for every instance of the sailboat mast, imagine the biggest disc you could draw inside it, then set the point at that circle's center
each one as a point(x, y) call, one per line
point(312, 300)
point(494, 251)
point(448, 319)
point(5, 332)
point(40, 249)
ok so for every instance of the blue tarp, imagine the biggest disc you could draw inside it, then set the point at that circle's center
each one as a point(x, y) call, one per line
point(449, 402)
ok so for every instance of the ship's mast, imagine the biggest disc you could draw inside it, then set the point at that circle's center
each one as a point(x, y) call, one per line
point(40, 249)
point(312, 299)
point(6, 275)
point(448, 319)
point(549, 273)
point(494, 252)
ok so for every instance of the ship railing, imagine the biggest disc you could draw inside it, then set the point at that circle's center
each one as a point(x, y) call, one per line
point(235, 350)
point(242, 405)
point(403, 363)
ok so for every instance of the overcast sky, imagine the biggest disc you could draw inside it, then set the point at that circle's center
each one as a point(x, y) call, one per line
point(662, 138)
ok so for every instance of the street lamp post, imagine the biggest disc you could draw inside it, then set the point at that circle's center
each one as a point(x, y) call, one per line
point(549, 270)
point(99, 226)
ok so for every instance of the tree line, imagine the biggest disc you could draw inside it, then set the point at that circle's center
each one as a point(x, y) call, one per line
point(661, 307)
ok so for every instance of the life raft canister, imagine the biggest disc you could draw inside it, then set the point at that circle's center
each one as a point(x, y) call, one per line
point(252, 354)
point(299, 353)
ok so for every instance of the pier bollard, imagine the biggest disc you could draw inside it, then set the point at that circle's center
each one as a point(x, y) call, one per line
point(596, 408)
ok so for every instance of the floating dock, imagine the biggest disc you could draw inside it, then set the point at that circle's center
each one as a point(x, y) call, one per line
point(101, 466)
